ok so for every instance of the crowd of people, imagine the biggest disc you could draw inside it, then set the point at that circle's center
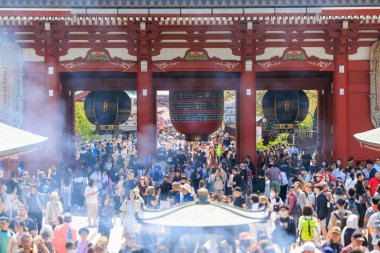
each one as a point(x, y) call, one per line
point(332, 206)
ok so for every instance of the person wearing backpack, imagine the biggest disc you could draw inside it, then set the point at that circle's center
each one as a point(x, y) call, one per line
point(294, 208)
point(308, 228)
point(339, 217)
point(355, 207)
point(372, 226)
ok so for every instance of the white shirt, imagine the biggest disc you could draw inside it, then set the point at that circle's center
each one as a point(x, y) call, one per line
point(284, 180)
point(97, 177)
point(93, 198)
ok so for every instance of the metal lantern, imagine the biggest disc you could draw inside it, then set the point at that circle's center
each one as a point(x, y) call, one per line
point(285, 107)
point(107, 107)
point(196, 113)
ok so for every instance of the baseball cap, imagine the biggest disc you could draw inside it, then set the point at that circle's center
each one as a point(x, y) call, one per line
point(308, 246)
point(237, 189)
point(336, 230)
point(358, 236)
point(130, 171)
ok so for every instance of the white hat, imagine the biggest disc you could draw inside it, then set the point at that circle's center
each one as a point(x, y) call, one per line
point(187, 187)
point(308, 246)
point(136, 191)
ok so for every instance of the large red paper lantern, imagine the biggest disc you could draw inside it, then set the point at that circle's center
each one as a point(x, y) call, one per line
point(196, 114)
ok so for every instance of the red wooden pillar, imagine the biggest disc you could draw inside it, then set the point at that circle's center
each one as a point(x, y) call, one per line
point(320, 126)
point(340, 98)
point(146, 136)
point(53, 115)
point(327, 123)
point(247, 114)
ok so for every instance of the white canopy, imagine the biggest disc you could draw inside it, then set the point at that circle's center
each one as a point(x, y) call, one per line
point(195, 215)
point(370, 139)
point(14, 141)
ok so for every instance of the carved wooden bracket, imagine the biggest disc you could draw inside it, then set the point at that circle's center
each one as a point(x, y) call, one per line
point(196, 59)
point(98, 59)
point(295, 58)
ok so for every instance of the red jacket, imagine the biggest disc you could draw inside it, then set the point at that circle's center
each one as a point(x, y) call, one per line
point(60, 237)
point(373, 183)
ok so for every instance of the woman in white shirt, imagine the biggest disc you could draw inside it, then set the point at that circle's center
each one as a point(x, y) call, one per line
point(91, 194)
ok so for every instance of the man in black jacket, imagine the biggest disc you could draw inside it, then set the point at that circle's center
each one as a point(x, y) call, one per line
point(322, 208)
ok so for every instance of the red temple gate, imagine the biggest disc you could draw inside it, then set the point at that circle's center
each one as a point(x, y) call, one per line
point(150, 52)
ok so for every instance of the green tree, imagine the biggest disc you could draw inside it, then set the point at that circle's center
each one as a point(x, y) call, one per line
point(83, 128)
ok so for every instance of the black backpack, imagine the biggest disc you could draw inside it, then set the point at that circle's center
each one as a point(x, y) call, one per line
point(353, 206)
point(156, 175)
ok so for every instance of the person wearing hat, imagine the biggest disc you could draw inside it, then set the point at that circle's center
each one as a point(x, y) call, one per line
point(308, 247)
point(339, 217)
point(186, 191)
point(53, 208)
point(335, 240)
point(239, 200)
point(357, 240)
point(245, 242)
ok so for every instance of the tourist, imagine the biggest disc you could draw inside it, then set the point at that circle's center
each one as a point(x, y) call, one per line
point(186, 190)
point(83, 242)
point(27, 245)
point(294, 206)
point(308, 226)
point(334, 242)
point(340, 216)
point(351, 227)
point(163, 193)
point(129, 209)
point(66, 189)
point(6, 201)
point(322, 206)
point(357, 240)
point(15, 242)
point(274, 176)
point(355, 207)
point(53, 208)
point(374, 182)
point(35, 203)
point(79, 184)
point(64, 233)
point(46, 237)
point(239, 200)
point(23, 216)
point(5, 234)
point(284, 233)
point(105, 222)
point(91, 195)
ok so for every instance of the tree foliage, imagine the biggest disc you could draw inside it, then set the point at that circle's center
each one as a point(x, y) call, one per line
point(281, 140)
point(83, 128)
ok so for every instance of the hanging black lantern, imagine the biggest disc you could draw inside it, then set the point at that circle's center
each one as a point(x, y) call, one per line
point(285, 107)
point(107, 107)
point(196, 114)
